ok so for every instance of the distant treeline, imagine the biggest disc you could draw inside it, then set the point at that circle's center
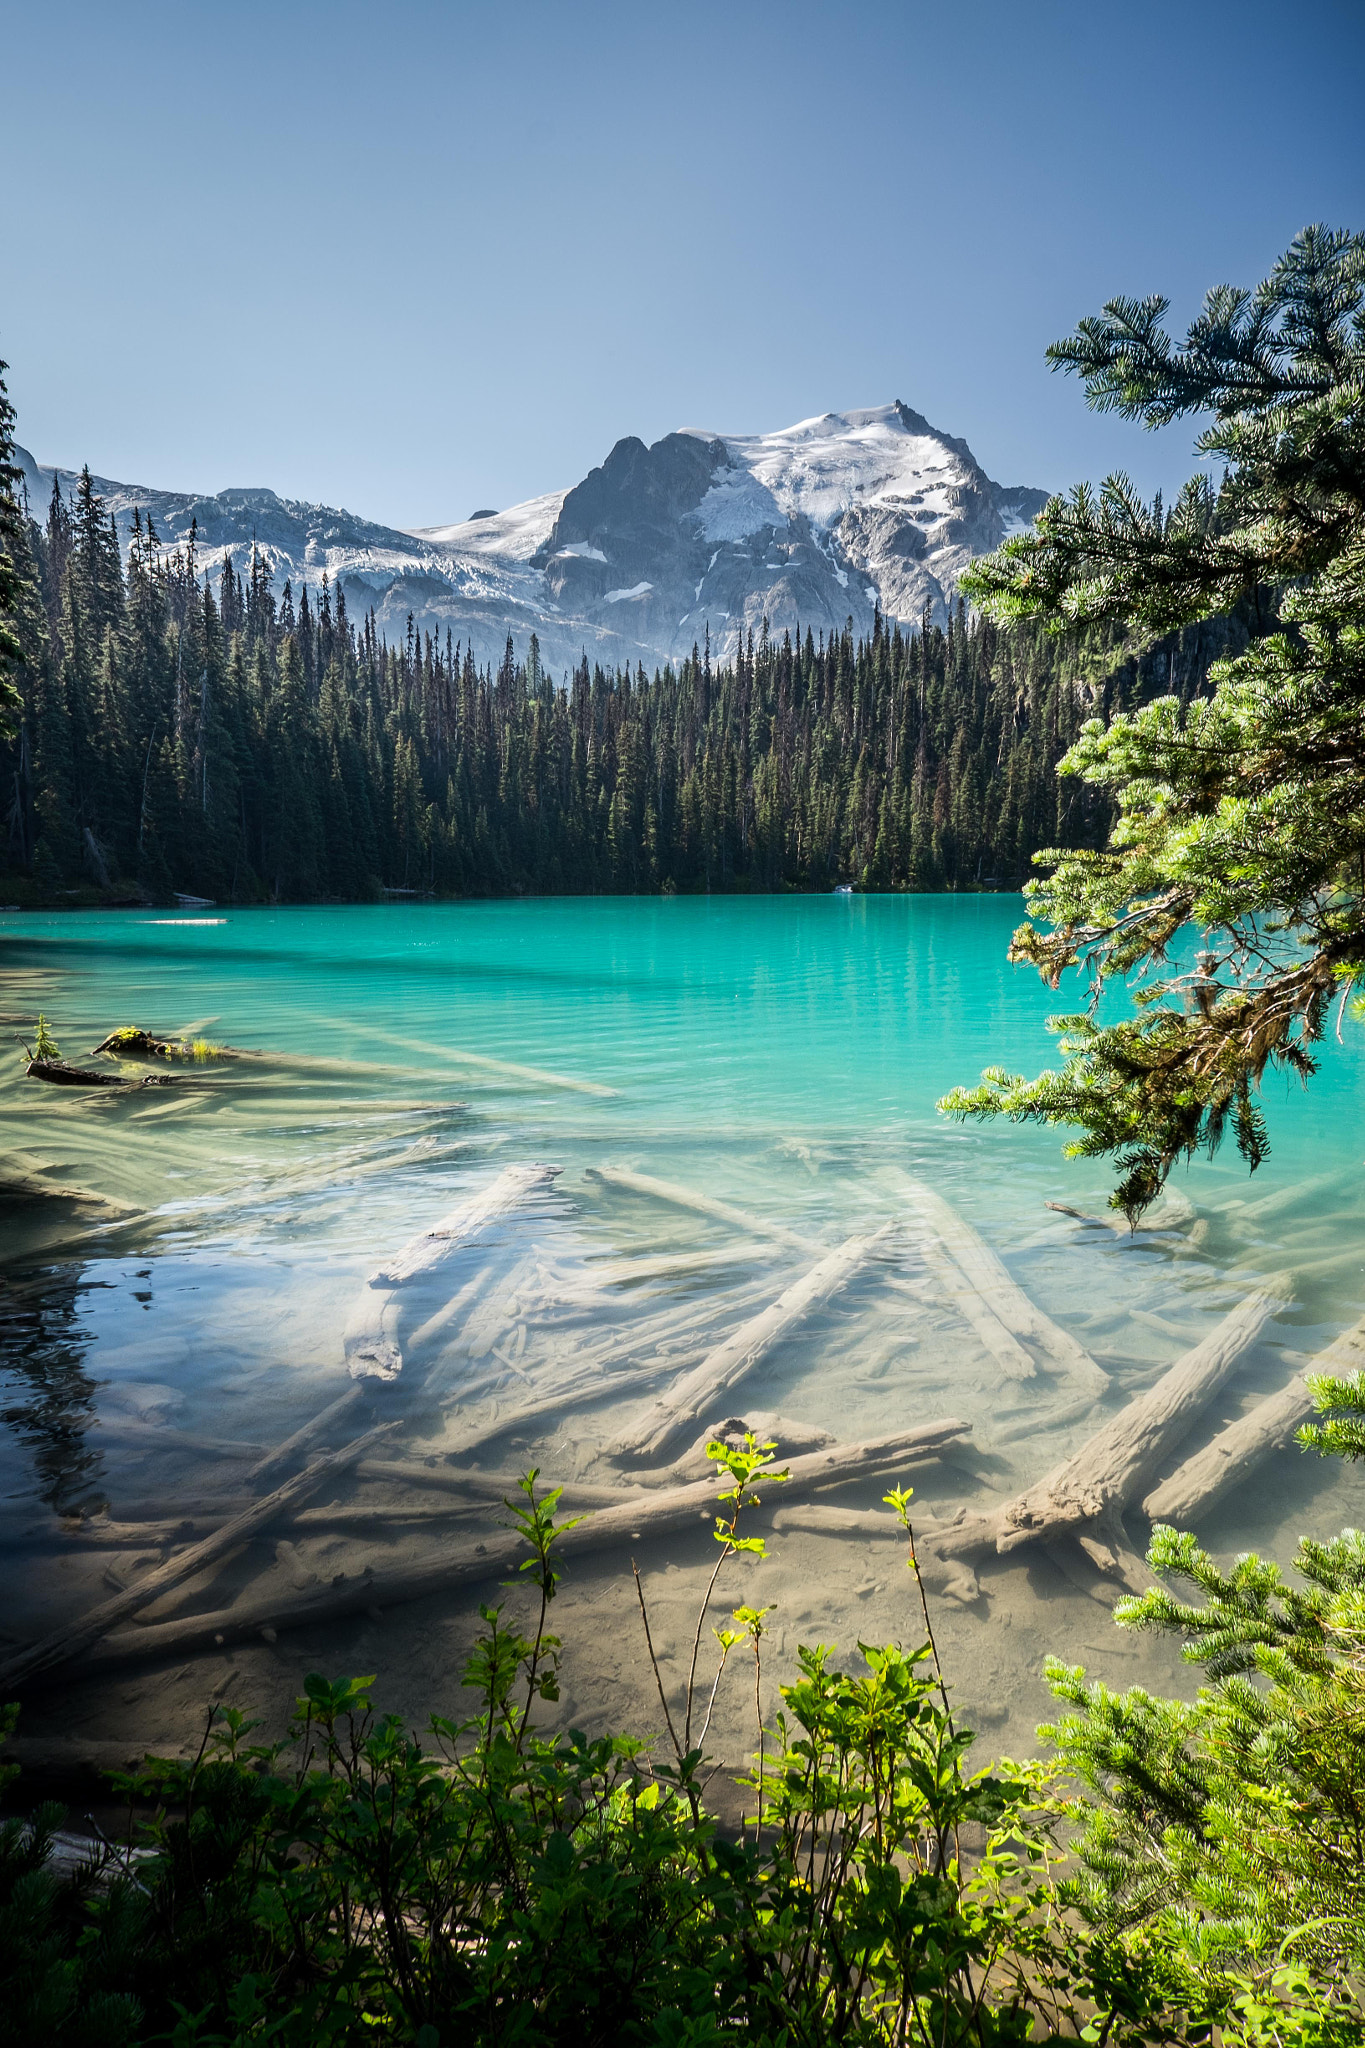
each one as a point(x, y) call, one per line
point(186, 732)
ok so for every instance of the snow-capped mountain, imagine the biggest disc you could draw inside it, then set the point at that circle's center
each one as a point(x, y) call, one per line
point(805, 527)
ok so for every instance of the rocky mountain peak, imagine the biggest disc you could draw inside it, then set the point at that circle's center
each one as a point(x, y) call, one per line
point(804, 527)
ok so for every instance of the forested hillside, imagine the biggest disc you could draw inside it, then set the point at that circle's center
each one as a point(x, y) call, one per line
point(177, 732)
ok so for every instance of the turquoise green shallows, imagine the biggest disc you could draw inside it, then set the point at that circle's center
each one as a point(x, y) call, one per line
point(780, 1056)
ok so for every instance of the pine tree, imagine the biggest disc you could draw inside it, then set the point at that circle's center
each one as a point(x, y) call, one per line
point(1242, 812)
point(16, 579)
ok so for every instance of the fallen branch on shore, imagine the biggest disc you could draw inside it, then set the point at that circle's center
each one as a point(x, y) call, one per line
point(1203, 1480)
point(371, 1341)
point(1086, 1495)
point(995, 1304)
point(67, 1642)
point(732, 1361)
point(636, 1518)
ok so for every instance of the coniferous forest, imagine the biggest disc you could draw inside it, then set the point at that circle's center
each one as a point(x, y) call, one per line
point(186, 731)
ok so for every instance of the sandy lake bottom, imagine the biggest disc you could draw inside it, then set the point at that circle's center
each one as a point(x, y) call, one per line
point(775, 1060)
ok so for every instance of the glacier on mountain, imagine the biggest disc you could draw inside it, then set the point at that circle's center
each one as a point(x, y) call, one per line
point(659, 547)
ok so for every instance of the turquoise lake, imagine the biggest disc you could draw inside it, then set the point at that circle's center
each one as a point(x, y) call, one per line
point(777, 1059)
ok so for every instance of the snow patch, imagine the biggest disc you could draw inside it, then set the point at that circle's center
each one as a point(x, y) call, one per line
point(820, 469)
point(738, 504)
point(636, 590)
point(514, 535)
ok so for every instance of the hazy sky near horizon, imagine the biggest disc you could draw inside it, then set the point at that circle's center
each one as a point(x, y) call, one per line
point(423, 258)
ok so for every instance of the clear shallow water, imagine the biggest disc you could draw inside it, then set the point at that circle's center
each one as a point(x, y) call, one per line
point(782, 1055)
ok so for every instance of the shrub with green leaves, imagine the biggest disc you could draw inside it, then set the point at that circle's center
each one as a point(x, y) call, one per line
point(491, 1883)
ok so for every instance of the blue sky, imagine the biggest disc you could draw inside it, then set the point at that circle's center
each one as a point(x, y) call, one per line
point(419, 258)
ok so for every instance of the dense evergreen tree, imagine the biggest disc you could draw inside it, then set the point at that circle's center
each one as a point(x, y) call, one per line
point(1243, 815)
point(178, 731)
point(16, 573)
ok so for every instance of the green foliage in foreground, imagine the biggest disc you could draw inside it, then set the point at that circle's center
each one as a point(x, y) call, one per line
point(487, 1883)
point(1242, 813)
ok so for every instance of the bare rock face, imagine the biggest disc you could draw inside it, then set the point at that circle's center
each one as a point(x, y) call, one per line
point(700, 537)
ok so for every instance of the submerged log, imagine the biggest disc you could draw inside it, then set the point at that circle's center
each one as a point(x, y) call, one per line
point(951, 1577)
point(301, 1437)
point(651, 1351)
point(20, 1185)
point(1239, 1211)
point(732, 1361)
point(794, 1438)
point(371, 1337)
point(473, 1487)
point(1105, 1474)
point(679, 1197)
point(63, 1075)
point(536, 1077)
point(1163, 1217)
point(1003, 1346)
point(67, 1642)
point(1105, 1543)
point(1000, 1295)
point(1202, 1481)
point(1099, 1480)
point(638, 1517)
point(102, 1532)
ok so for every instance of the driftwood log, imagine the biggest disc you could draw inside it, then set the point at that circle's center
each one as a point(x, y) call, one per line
point(793, 1439)
point(468, 1491)
point(679, 1197)
point(20, 1183)
point(650, 1351)
point(63, 1075)
point(133, 1043)
point(1085, 1496)
point(952, 1577)
point(688, 1398)
point(1104, 1475)
point(371, 1337)
point(282, 1453)
point(1203, 1480)
point(636, 1518)
point(996, 1305)
point(164, 1436)
point(67, 1642)
point(1239, 1212)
